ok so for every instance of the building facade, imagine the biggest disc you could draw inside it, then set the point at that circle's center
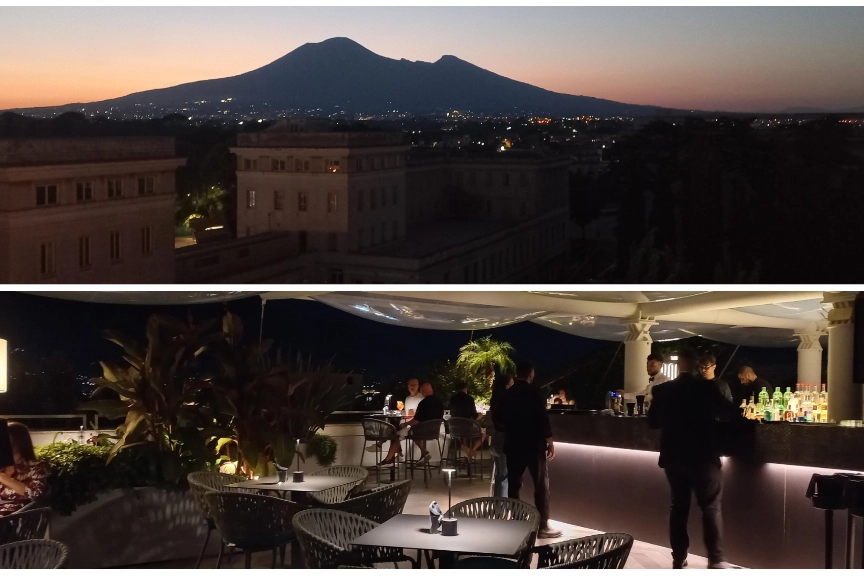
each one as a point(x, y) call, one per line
point(87, 210)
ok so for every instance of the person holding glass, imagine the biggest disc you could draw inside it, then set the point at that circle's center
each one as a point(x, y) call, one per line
point(25, 478)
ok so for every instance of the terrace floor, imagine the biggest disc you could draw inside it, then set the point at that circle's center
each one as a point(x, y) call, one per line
point(642, 555)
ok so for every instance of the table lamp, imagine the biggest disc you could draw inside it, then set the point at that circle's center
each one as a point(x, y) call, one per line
point(298, 474)
point(448, 525)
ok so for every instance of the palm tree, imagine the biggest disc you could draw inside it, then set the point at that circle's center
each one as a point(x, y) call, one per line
point(479, 358)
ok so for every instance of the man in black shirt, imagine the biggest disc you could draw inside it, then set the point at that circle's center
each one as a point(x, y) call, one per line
point(528, 442)
point(462, 406)
point(430, 408)
point(750, 385)
point(686, 410)
point(707, 366)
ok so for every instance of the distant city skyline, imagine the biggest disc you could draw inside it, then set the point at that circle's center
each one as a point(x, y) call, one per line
point(732, 59)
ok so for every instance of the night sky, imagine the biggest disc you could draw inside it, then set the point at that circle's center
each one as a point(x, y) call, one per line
point(383, 353)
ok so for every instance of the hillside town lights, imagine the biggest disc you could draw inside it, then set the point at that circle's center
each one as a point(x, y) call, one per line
point(4, 362)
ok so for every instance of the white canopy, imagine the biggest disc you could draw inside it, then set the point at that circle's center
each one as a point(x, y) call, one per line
point(746, 318)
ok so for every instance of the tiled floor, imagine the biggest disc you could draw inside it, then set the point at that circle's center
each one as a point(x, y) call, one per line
point(643, 555)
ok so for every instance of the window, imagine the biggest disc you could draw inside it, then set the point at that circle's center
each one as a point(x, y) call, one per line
point(360, 195)
point(115, 188)
point(249, 164)
point(332, 242)
point(47, 258)
point(306, 166)
point(333, 166)
point(84, 252)
point(331, 202)
point(250, 199)
point(83, 191)
point(359, 165)
point(146, 185)
point(302, 201)
point(46, 195)
point(336, 276)
point(506, 179)
point(116, 248)
point(373, 198)
point(395, 195)
point(278, 199)
point(298, 165)
point(146, 247)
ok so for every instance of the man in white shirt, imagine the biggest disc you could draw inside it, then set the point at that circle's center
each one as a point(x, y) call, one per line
point(653, 366)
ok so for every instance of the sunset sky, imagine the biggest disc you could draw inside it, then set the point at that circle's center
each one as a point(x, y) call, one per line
point(735, 59)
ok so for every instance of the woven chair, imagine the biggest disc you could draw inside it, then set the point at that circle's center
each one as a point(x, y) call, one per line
point(379, 504)
point(27, 525)
point(339, 493)
point(201, 484)
point(378, 431)
point(607, 551)
point(426, 431)
point(325, 537)
point(503, 509)
point(28, 554)
point(464, 431)
point(252, 522)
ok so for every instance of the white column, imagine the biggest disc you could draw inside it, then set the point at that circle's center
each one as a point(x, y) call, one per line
point(809, 357)
point(637, 347)
point(844, 397)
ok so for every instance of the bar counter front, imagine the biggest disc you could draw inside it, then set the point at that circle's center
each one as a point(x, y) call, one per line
point(605, 476)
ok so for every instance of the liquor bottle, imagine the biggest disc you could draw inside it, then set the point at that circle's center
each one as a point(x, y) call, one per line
point(807, 406)
point(778, 412)
point(777, 397)
point(763, 398)
point(823, 398)
point(787, 397)
point(789, 414)
point(769, 411)
point(751, 409)
point(743, 407)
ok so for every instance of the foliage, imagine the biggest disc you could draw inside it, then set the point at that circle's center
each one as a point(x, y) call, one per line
point(79, 472)
point(480, 357)
point(323, 447)
point(446, 377)
point(157, 394)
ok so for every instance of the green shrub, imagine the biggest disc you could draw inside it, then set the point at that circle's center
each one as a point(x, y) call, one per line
point(79, 473)
point(323, 447)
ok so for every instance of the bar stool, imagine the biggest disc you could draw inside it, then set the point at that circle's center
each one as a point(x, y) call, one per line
point(464, 431)
point(424, 431)
point(826, 493)
point(379, 431)
point(853, 498)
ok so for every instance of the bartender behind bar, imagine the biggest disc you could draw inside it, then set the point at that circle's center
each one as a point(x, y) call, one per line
point(653, 366)
point(750, 385)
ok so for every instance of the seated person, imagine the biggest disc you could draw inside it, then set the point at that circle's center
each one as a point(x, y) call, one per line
point(462, 406)
point(430, 408)
point(562, 396)
point(557, 401)
point(27, 479)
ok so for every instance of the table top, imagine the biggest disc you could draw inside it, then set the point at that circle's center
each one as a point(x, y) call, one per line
point(309, 484)
point(476, 535)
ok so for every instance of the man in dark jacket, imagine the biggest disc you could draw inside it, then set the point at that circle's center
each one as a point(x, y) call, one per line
point(528, 442)
point(686, 410)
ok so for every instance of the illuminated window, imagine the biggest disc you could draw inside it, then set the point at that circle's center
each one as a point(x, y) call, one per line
point(333, 166)
point(84, 252)
point(146, 247)
point(83, 191)
point(250, 199)
point(46, 254)
point(115, 188)
point(116, 247)
point(46, 195)
point(302, 201)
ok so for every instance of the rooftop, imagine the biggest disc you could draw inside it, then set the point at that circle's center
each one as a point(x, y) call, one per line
point(429, 239)
point(52, 151)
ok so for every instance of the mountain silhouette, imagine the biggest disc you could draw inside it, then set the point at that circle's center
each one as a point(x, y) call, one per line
point(341, 75)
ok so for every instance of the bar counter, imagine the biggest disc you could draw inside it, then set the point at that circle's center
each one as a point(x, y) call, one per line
point(605, 476)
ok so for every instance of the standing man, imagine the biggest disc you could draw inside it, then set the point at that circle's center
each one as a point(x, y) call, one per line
point(502, 383)
point(653, 365)
point(686, 411)
point(707, 366)
point(751, 385)
point(528, 442)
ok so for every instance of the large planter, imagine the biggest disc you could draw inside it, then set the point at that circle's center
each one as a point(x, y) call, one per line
point(131, 527)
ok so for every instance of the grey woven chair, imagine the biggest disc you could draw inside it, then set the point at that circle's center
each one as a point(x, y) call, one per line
point(29, 554)
point(252, 522)
point(27, 525)
point(606, 551)
point(325, 537)
point(427, 431)
point(201, 484)
point(463, 431)
point(378, 431)
point(503, 509)
point(339, 493)
point(379, 504)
